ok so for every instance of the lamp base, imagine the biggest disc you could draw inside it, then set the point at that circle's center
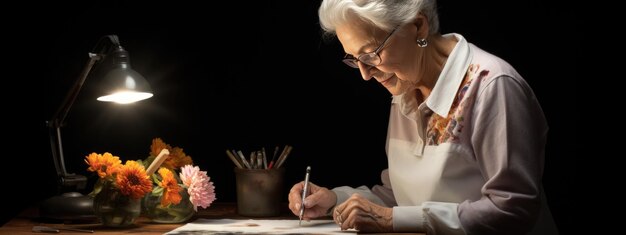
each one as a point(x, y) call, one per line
point(68, 207)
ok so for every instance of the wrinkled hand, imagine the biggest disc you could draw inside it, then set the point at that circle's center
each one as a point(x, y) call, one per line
point(363, 215)
point(316, 204)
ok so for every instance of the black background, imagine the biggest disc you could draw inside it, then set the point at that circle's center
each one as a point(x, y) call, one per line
point(246, 75)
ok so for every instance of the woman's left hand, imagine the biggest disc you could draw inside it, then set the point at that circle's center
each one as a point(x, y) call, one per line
point(363, 215)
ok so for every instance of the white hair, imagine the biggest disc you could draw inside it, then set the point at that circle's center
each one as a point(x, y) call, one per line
point(384, 14)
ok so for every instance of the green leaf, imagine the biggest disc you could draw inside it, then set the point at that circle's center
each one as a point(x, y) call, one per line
point(156, 178)
point(156, 191)
point(97, 188)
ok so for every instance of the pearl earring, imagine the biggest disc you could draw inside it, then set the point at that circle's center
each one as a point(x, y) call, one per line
point(422, 42)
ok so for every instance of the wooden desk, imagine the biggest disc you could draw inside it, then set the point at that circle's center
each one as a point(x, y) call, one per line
point(23, 223)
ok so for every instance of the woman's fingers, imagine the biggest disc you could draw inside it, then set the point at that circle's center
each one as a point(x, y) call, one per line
point(345, 217)
point(337, 217)
point(350, 220)
point(317, 202)
point(340, 215)
point(363, 215)
point(295, 197)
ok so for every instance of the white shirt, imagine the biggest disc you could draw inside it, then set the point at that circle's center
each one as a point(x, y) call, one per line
point(468, 160)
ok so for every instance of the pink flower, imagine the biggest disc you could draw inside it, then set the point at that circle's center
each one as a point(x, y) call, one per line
point(200, 188)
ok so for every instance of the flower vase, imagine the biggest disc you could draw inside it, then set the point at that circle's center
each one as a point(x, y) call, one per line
point(173, 213)
point(115, 209)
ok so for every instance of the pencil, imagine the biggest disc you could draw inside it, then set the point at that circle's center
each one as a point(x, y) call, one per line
point(264, 158)
point(304, 192)
point(232, 158)
point(243, 159)
point(273, 158)
point(253, 159)
point(281, 156)
point(259, 160)
point(284, 157)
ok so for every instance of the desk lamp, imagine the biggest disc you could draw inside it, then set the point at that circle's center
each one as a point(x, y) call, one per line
point(121, 85)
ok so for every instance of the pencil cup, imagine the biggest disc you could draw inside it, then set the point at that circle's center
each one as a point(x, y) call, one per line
point(259, 191)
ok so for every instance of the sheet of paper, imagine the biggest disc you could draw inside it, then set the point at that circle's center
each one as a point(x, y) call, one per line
point(254, 226)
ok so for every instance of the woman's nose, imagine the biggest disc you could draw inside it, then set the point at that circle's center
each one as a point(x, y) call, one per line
point(365, 71)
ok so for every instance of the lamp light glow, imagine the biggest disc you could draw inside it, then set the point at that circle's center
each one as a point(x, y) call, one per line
point(125, 97)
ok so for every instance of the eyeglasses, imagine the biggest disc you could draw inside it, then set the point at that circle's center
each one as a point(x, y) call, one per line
point(370, 59)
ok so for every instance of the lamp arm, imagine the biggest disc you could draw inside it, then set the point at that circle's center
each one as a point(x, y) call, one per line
point(57, 121)
point(64, 109)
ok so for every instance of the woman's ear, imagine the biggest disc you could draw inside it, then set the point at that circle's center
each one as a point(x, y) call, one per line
point(421, 25)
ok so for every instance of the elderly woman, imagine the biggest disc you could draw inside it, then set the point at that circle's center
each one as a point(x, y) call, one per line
point(466, 136)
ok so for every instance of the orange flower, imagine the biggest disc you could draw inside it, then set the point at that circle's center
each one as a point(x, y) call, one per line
point(104, 165)
point(177, 159)
point(170, 187)
point(133, 181)
point(157, 146)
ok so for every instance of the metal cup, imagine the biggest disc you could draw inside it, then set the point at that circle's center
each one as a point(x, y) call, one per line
point(259, 191)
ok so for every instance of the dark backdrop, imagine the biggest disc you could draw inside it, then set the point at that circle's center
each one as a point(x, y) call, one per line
point(252, 74)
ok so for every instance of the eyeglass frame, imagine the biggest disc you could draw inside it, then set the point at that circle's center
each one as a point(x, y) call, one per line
point(353, 62)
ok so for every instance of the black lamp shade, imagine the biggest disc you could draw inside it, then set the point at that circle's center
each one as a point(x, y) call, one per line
point(123, 84)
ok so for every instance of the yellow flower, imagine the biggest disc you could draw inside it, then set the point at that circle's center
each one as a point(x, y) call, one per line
point(170, 188)
point(105, 165)
point(133, 181)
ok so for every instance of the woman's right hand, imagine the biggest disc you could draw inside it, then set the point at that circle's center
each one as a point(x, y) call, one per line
point(316, 204)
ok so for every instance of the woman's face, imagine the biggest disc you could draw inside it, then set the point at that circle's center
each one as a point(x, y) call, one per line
point(397, 70)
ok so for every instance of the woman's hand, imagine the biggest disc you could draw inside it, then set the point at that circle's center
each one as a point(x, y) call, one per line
point(317, 203)
point(363, 215)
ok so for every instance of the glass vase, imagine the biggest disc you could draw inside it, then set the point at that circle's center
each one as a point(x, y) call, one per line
point(115, 209)
point(177, 213)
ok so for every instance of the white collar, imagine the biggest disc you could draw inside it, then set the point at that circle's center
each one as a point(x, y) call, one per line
point(443, 94)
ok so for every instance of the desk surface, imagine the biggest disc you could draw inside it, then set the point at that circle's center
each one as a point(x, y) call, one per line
point(23, 223)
